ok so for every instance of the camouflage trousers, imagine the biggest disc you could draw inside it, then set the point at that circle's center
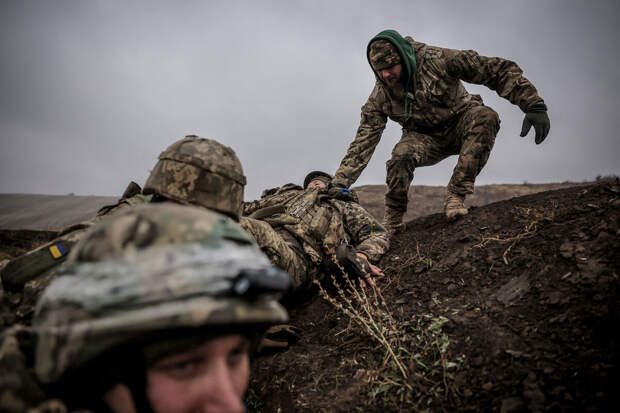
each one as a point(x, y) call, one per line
point(471, 137)
point(280, 250)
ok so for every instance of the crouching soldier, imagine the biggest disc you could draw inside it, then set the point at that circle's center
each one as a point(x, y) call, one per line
point(156, 310)
point(309, 232)
point(420, 87)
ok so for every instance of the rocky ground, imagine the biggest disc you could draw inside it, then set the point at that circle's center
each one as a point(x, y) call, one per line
point(513, 308)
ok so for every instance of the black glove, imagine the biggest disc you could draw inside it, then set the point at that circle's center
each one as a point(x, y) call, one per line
point(350, 262)
point(339, 191)
point(536, 115)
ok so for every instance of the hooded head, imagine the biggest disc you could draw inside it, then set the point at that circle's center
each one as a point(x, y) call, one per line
point(389, 48)
point(382, 55)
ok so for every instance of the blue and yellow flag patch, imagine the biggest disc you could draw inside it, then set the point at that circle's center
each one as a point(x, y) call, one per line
point(58, 250)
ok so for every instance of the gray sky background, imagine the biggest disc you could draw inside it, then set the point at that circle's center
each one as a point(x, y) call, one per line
point(93, 91)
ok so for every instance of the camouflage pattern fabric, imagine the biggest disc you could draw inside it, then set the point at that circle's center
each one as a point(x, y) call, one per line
point(19, 389)
point(383, 54)
point(284, 252)
point(154, 268)
point(36, 268)
point(192, 170)
point(199, 171)
point(319, 224)
point(156, 224)
point(439, 106)
point(472, 138)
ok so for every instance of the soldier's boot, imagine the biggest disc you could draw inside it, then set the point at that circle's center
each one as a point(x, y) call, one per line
point(393, 221)
point(455, 206)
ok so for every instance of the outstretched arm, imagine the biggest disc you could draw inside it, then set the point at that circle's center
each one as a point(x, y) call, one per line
point(502, 75)
point(366, 139)
point(368, 236)
point(506, 78)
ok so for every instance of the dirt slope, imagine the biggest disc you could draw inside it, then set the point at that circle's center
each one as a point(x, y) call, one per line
point(425, 200)
point(513, 308)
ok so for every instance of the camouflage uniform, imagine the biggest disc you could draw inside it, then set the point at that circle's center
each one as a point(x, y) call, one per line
point(306, 227)
point(192, 170)
point(438, 116)
point(214, 180)
point(199, 171)
point(36, 267)
point(152, 269)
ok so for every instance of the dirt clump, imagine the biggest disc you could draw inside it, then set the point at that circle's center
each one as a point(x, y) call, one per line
point(512, 308)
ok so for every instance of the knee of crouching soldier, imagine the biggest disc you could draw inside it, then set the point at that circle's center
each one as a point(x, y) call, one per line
point(399, 164)
point(489, 120)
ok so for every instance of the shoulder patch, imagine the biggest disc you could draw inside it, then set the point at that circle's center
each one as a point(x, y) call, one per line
point(58, 250)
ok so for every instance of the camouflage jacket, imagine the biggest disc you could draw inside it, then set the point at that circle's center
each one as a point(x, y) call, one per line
point(319, 222)
point(26, 276)
point(438, 99)
point(20, 391)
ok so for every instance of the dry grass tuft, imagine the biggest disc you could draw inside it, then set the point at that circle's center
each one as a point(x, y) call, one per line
point(416, 368)
point(531, 219)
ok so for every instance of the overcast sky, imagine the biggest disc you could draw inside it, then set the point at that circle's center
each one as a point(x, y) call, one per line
point(93, 91)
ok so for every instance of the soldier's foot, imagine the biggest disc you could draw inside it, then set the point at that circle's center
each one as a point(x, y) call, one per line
point(455, 206)
point(395, 229)
point(393, 221)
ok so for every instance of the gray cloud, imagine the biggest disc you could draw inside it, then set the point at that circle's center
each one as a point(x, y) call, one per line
point(92, 91)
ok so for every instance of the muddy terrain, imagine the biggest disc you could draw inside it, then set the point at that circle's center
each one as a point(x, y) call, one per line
point(513, 308)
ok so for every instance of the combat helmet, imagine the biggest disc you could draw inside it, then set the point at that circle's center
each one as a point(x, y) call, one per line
point(155, 268)
point(201, 172)
point(316, 175)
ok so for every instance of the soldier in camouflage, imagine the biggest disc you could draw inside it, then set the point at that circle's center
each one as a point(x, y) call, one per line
point(156, 310)
point(307, 232)
point(191, 171)
point(419, 86)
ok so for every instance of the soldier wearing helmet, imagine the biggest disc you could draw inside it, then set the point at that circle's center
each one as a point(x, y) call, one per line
point(156, 310)
point(194, 171)
point(302, 230)
point(199, 171)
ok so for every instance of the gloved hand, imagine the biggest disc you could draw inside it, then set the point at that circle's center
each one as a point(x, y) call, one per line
point(536, 115)
point(340, 192)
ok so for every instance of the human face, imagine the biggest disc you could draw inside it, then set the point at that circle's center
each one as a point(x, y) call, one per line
point(210, 378)
point(317, 183)
point(391, 75)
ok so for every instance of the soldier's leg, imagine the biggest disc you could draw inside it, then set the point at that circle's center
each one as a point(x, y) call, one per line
point(414, 149)
point(278, 250)
point(476, 131)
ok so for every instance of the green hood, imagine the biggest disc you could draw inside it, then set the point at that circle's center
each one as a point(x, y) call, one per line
point(407, 54)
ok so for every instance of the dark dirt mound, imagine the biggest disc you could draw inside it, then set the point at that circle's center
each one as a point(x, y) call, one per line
point(425, 200)
point(513, 308)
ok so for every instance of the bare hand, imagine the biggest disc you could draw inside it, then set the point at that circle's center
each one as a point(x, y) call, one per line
point(374, 270)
